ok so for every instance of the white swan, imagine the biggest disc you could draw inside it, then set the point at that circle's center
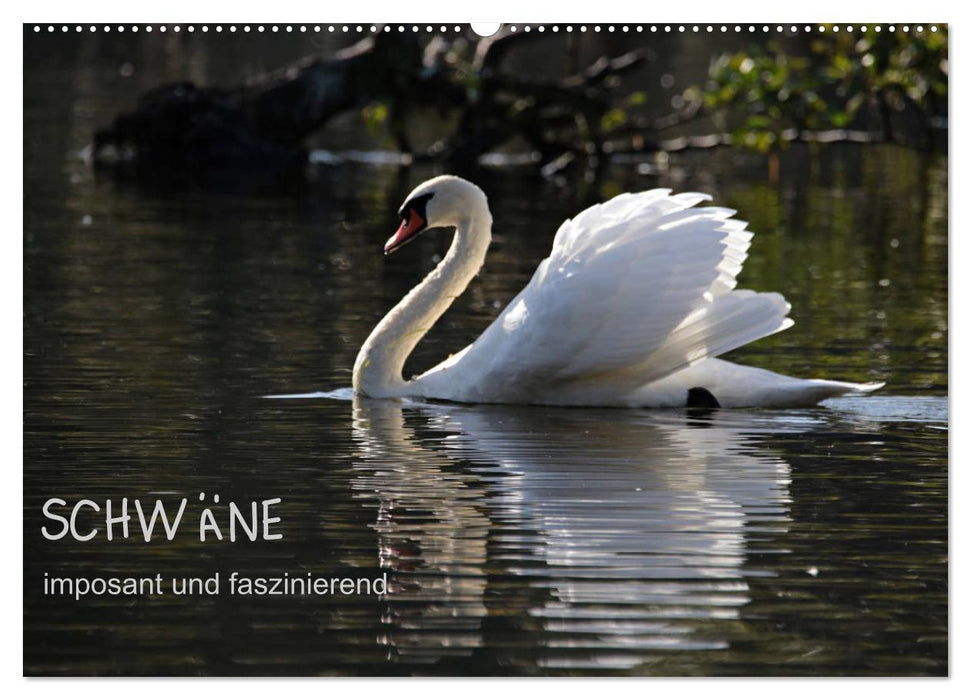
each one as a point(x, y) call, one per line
point(631, 308)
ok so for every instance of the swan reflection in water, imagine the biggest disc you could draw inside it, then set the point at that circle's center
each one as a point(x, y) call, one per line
point(619, 533)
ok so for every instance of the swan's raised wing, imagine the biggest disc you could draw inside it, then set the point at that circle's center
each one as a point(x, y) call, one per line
point(633, 290)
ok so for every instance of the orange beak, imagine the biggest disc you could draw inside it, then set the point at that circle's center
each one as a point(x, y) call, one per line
point(409, 227)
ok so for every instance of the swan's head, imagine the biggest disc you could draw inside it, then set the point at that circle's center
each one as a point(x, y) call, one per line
point(442, 201)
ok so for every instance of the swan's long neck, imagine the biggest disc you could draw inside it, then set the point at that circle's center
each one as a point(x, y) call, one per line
point(377, 370)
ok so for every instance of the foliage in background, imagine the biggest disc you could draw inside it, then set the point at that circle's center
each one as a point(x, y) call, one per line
point(470, 102)
point(768, 94)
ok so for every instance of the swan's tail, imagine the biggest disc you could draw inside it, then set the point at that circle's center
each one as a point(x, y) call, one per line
point(807, 392)
point(819, 389)
point(855, 388)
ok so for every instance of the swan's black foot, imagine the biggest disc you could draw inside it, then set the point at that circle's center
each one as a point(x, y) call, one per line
point(700, 397)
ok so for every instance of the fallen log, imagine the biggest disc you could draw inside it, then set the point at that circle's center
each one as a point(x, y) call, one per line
point(263, 125)
point(185, 128)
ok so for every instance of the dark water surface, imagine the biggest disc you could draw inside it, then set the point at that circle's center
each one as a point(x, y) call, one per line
point(515, 540)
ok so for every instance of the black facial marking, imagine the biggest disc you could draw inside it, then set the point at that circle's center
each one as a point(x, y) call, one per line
point(416, 204)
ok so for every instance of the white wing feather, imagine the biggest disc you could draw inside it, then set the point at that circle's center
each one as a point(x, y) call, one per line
point(634, 289)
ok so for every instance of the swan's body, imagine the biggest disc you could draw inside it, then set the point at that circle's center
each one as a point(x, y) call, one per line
point(631, 308)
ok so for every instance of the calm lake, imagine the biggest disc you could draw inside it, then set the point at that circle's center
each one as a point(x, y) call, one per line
point(515, 540)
